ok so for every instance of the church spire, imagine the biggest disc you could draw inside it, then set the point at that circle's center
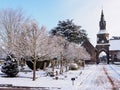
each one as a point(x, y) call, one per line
point(102, 22)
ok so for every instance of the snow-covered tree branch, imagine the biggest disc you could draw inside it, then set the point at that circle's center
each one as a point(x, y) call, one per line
point(11, 21)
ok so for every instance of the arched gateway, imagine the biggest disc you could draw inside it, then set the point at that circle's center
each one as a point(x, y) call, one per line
point(102, 40)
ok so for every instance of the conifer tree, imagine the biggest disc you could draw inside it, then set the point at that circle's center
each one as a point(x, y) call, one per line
point(72, 32)
point(10, 66)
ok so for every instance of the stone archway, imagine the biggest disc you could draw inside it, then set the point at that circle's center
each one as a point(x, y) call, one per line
point(98, 60)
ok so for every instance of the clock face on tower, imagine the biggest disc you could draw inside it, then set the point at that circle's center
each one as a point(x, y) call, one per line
point(102, 38)
point(102, 41)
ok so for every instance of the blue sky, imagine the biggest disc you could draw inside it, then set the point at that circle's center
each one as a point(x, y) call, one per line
point(85, 13)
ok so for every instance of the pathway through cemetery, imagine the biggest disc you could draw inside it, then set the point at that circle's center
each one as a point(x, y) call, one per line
point(101, 77)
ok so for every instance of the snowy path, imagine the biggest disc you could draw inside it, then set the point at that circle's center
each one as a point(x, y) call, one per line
point(102, 77)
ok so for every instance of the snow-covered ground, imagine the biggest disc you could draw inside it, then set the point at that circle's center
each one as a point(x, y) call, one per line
point(92, 77)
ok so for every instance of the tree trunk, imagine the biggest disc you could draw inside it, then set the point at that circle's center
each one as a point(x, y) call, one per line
point(61, 67)
point(53, 63)
point(66, 65)
point(44, 68)
point(34, 70)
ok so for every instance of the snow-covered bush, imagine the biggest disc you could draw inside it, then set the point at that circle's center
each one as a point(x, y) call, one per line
point(80, 63)
point(73, 66)
point(10, 66)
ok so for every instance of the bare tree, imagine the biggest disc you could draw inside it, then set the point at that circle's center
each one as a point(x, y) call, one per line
point(33, 35)
point(11, 21)
point(31, 41)
point(58, 45)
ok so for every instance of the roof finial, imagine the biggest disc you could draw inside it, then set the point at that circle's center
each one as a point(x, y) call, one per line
point(102, 10)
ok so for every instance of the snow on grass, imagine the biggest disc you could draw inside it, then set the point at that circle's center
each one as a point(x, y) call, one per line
point(25, 79)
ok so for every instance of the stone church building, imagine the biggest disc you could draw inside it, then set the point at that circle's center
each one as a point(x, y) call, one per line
point(114, 50)
point(109, 46)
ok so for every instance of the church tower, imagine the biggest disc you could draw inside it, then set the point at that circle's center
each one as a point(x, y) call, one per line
point(102, 39)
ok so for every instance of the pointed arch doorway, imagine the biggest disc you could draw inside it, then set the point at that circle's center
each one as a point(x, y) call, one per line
point(102, 54)
point(102, 57)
